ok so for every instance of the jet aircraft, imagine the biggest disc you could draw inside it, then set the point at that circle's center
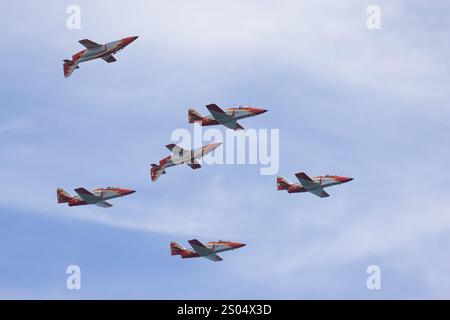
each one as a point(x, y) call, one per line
point(208, 251)
point(96, 196)
point(314, 185)
point(180, 156)
point(93, 51)
point(227, 117)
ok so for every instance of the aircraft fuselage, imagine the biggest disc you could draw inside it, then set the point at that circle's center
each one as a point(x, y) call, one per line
point(100, 51)
point(103, 193)
point(321, 181)
point(216, 247)
point(235, 113)
point(188, 156)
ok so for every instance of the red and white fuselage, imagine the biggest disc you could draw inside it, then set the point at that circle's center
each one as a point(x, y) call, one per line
point(226, 117)
point(314, 185)
point(208, 250)
point(94, 51)
point(97, 196)
point(181, 156)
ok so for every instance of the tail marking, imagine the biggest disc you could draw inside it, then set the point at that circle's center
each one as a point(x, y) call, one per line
point(194, 116)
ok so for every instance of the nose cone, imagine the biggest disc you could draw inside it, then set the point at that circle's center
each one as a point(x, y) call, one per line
point(127, 191)
point(256, 111)
point(259, 111)
point(127, 41)
point(344, 179)
point(239, 245)
point(215, 145)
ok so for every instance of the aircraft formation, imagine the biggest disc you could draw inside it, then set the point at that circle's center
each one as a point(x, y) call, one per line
point(227, 117)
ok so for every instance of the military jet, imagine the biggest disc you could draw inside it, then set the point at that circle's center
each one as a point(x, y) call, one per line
point(96, 196)
point(180, 156)
point(314, 185)
point(208, 251)
point(93, 51)
point(227, 117)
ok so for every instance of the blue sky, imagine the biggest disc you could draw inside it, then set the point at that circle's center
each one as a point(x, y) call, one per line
point(372, 105)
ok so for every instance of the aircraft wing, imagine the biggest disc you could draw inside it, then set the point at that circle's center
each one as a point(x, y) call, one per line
point(103, 204)
point(87, 196)
point(232, 125)
point(194, 165)
point(224, 119)
point(320, 193)
point(199, 247)
point(109, 58)
point(306, 181)
point(89, 44)
point(213, 257)
point(176, 150)
point(203, 251)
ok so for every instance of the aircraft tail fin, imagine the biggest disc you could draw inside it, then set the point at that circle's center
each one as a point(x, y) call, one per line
point(194, 115)
point(283, 183)
point(156, 171)
point(176, 248)
point(62, 196)
point(68, 67)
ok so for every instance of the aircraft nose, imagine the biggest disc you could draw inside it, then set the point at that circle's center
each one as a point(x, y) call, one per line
point(130, 40)
point(240, 245)
point(260, 111)
point(129, 191)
